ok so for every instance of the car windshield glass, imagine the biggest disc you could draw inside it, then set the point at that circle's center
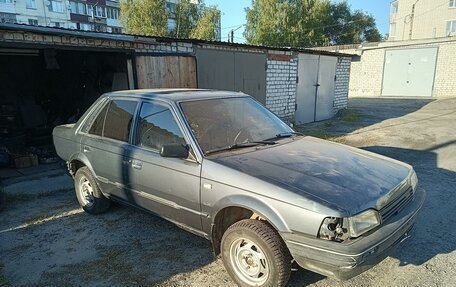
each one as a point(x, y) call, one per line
point(227, 123)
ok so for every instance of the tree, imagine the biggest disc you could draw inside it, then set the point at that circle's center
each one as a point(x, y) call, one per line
point(347, 27)
point(306, 23)
point(207, 25)
point(144, 17)
point(195, 20)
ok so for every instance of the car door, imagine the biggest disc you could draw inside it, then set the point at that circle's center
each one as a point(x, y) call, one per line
point(169, 187)
point(105, 145)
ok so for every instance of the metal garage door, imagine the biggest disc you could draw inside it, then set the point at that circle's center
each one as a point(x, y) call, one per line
point(409, 72)
point(233, 71)
point(315, 91)
point(156, 71)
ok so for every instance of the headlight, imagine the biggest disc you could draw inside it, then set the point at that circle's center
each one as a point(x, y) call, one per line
point(363, 222)
point(413, 180)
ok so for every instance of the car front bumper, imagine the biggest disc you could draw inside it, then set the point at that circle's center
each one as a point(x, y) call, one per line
point(348, 259)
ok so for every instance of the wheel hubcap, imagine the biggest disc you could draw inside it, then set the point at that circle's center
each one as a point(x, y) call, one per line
point(249, 261)
point(86, 191)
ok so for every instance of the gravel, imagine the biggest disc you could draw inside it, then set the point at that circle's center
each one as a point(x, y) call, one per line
point(47, 240)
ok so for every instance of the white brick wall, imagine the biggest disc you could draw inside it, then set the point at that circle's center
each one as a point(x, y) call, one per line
point(342, 82)
point(281, 87)
point(367, 73)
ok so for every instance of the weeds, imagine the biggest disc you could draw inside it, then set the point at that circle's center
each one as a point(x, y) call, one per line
point(350, 116)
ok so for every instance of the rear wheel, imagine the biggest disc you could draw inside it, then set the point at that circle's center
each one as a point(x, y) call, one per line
point(254, 254)
point(88, 193)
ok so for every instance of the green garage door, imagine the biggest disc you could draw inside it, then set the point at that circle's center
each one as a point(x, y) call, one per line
point(232, 71)
point(409, 72)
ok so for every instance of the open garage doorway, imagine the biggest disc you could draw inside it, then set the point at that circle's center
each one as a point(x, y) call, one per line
point(42, 88)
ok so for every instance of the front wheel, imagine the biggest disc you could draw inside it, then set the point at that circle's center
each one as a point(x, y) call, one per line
point(254, 254)
point(88, 192)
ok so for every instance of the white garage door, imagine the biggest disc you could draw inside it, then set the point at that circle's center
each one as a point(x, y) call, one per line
point(409, 72)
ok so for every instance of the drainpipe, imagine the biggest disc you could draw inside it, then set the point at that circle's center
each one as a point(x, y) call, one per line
point(411, 19)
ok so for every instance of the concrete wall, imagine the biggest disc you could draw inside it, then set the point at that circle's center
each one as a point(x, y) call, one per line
point(367, 70)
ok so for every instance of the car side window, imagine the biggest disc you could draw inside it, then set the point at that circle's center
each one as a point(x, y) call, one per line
point(119, 117)
point(157, 127)
point(95, 127)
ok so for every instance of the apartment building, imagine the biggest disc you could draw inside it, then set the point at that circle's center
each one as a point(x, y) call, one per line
point(421, 19)
point(87, 15)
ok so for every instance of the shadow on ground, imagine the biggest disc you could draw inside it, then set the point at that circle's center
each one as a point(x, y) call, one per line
point(363, 112)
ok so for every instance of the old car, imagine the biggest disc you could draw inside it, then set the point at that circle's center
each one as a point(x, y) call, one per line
point(222, 166)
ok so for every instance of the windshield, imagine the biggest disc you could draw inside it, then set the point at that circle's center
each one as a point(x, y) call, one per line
point(224, 123)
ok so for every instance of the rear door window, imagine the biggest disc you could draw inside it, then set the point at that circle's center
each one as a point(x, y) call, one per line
point(157, 127)
point(119, 117)
point(95, 127)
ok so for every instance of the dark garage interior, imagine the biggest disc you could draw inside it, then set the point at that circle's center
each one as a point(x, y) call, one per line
point(42, 88)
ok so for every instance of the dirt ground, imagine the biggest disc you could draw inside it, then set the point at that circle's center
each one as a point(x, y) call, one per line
point(46, 239)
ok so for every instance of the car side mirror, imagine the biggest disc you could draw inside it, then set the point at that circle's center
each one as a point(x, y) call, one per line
point(174, 150)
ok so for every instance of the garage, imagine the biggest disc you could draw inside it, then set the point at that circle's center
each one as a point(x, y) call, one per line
point(316, 88)
point(409, 72)
point(232, 71)
point(45, 87)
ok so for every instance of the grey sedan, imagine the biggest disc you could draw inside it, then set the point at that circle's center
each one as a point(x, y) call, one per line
point(222, 166)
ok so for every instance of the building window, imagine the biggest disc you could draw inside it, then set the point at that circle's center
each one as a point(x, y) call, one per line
point(6, 1)
point(96, 11)
point(56, 6)
point(171, 24)
point(78, 8)
point(112, 13)
point(57, 24)
point(171, 7)
point(451, 28)
point(392, 32)
point(30, 4)
point(33, 22)
point(394, 7)
point(452, 3)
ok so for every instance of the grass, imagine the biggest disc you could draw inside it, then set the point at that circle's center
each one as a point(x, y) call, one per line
point(35, 219)
point(350, 116)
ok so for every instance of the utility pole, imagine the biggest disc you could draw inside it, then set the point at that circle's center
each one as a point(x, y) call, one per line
point(231, 34)
point(412, 16)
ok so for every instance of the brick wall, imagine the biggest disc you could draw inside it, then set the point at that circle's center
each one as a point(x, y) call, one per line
point(342, 82)
point(281, 73)
point(281, 85)
point(367, 70)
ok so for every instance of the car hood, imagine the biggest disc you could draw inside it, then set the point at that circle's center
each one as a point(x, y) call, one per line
point(341, 177)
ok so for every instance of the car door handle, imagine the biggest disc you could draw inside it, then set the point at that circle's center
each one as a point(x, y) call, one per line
point(86, 149)
point(136, 164)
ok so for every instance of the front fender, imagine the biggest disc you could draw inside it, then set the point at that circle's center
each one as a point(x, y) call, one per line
point(257, 205)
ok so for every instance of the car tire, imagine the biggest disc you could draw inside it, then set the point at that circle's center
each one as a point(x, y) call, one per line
point(89, 195)
point(254, 254)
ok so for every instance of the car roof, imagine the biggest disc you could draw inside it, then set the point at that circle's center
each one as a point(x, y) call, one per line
point(175, 95)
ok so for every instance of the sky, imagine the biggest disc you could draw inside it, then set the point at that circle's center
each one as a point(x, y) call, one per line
point(233, 14)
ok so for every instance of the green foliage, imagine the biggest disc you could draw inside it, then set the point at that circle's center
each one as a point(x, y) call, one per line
point(347, 27)
point(206, 27)
point(305, 23)
point(144, 17)
point(195, 21)
point(150, 18)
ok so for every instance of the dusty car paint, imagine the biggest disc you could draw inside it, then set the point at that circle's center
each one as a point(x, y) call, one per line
point(294, 184)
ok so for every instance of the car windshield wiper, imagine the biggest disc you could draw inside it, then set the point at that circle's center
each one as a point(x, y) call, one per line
point(241, 145)
point(284, 135)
